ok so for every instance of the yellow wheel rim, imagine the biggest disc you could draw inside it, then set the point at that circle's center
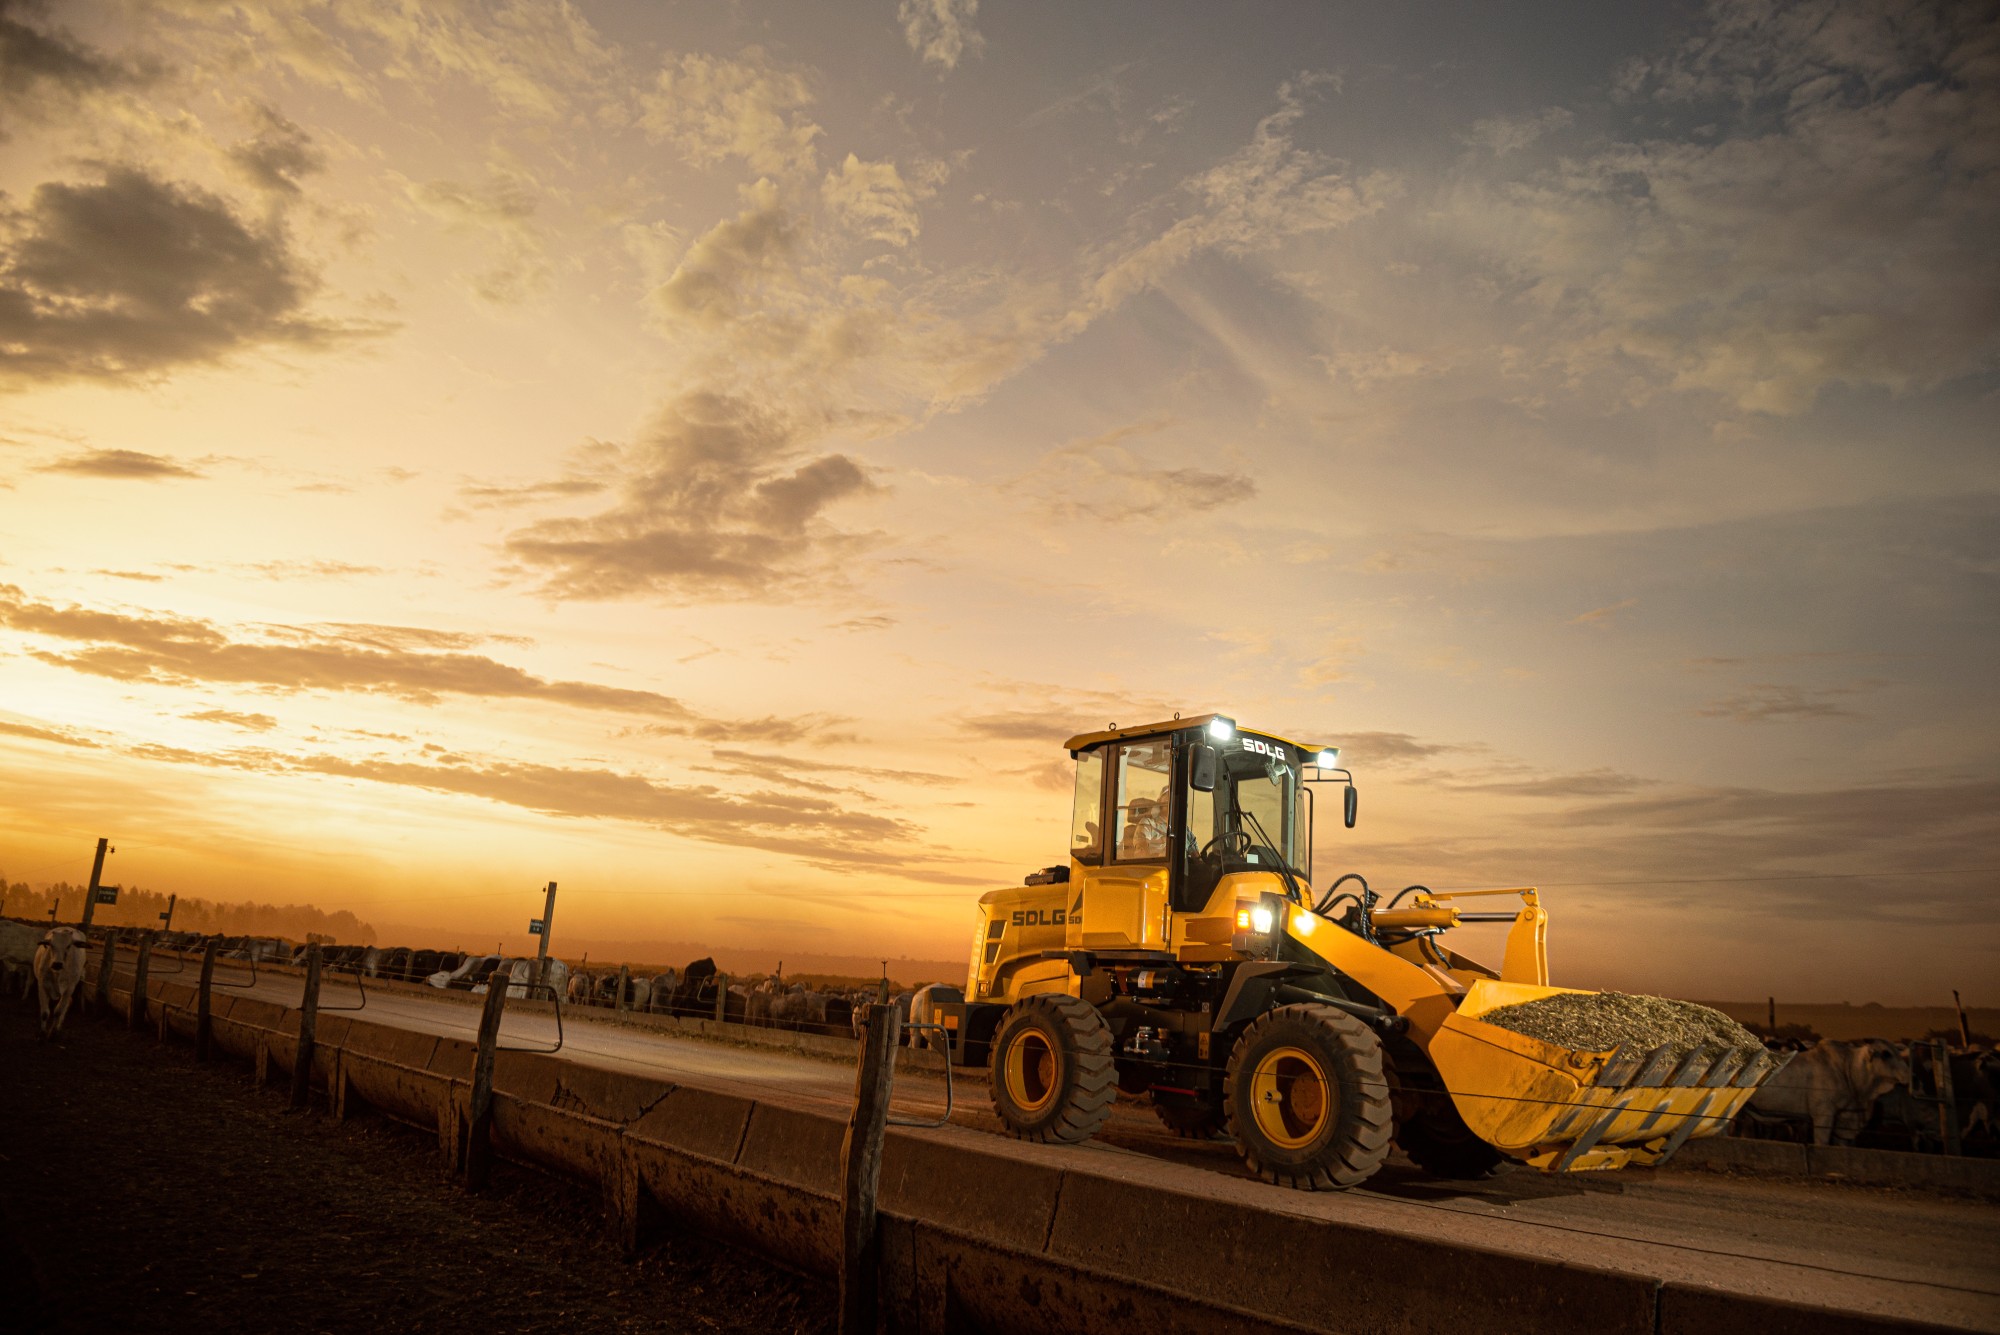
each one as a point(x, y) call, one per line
point(1031, 1071)
point(1290, 1097)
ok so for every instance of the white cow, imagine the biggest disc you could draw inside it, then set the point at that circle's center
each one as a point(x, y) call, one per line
point(18, 943)
point(58, 971)
point(1833, 1086)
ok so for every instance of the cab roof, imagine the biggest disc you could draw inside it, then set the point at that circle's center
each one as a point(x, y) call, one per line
point(1085, 741)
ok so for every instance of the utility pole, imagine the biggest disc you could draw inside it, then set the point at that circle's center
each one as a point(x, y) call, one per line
point(168, 916)
point(96, 875)
point(541, 928)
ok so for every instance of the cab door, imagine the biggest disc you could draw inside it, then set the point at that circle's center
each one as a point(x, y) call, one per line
point(1124, 880)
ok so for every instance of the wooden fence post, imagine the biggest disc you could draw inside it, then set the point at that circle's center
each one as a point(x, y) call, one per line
point(302, 1060)
point(861, 1170)
point(721, 996)
point(204, 1023)
point(624, 982)
point(135, 1014)
point(479, 1118)
point(1947, 1098)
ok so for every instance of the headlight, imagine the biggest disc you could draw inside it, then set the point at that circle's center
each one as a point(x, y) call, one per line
point(1221, 729)
point(1260, 919)
point(1329, 758)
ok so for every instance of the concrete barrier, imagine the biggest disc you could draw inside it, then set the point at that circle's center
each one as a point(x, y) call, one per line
point(1952, 1174)
point(981, 1234)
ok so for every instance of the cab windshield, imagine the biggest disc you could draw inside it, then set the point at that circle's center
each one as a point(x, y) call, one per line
point(1252, 821)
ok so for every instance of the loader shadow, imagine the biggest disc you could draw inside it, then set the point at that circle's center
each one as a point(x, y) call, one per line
point(1398, 1179)
point(1511, 1186)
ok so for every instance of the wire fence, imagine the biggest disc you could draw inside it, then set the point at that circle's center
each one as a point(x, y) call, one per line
point(696, 1000)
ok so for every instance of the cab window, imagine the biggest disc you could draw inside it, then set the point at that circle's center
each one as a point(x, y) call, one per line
point(1140, 812)
point(1086, 839)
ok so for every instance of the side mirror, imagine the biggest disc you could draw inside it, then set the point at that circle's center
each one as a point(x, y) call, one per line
point(1347, 806)
point(1201, 768)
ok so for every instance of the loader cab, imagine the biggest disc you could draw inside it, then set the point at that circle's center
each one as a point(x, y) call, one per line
point(1162, 813)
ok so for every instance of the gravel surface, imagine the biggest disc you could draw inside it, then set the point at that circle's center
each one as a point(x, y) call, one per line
point(1597, 1021)
point(140, 1191)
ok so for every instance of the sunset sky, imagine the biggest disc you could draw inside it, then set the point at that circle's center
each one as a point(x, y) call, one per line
point(711, 455)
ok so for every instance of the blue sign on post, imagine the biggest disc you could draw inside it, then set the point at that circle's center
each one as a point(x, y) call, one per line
point(534, 927)
point(107, 894)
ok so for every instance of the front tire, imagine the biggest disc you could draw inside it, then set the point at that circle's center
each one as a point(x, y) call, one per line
point(1052, 1074)
point(1307, 1099)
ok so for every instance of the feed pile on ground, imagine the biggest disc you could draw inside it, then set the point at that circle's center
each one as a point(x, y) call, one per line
point(1598, 1021)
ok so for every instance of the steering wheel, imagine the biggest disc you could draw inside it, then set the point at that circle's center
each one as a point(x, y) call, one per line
point(1237, 842)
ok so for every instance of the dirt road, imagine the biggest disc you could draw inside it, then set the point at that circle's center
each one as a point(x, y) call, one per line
point(1890, 1253)
point(139, 1191)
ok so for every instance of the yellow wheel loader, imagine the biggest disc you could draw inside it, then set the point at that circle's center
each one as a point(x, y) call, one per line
point(1182, 955)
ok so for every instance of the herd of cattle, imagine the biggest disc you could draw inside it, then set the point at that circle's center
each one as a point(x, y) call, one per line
point(1831, 1092)
point(763, 1002)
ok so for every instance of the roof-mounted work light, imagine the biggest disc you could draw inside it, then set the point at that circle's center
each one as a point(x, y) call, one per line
point(1221, 729)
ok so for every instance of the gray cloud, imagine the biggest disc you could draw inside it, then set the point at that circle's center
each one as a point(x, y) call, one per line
point(718, 276)
point(278, 156)
point(1594, 783)
point(1775, 702)
point(1107, 479)
point(836, 835)
point(370, 660)
point(502, 209)
point(791, 772)
point(940, 31)
point(247, 722)
point(129, 275)
point(324, 568)
point(119, 464)
point(712, 108)
point(715, 505)
point(1904, 857)
point(489, 496)
point(43, 68)
point(66, 736)
point(1025, 725)
point(1806, 201)
point(1388, 748)
point(1869, 834)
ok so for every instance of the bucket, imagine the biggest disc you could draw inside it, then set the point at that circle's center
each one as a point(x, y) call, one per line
point(1568, 1110)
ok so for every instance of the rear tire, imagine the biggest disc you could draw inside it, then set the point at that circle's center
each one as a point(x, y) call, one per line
point(1307, 1100)
point(1051, 1072)
point(1439, 1142)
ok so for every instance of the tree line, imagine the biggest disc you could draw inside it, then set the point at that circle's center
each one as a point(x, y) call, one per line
point(142, 908)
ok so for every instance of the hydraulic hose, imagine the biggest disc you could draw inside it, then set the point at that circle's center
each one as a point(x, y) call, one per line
point(1364, 902)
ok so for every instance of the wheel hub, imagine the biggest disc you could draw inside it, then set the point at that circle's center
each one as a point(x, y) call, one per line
point(1290, 1097)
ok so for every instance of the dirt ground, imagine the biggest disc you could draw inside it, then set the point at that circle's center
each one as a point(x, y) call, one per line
point(141, 1191)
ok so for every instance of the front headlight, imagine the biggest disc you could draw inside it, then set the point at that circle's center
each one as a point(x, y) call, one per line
point(1260, 919)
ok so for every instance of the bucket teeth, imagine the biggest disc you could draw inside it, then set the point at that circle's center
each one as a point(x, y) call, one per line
point(1754, 1070)
point(1727, 1068)
point(1618, 1068)
point(1653, 1070)
point(1694, 1067)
